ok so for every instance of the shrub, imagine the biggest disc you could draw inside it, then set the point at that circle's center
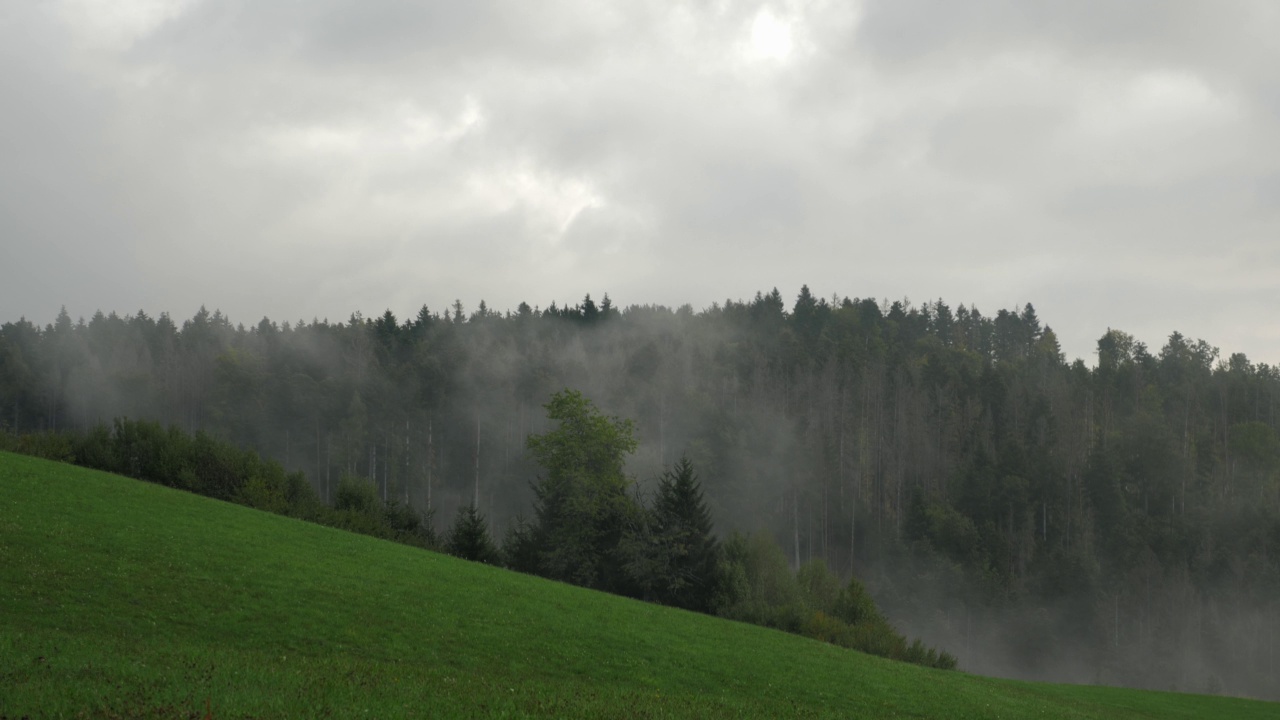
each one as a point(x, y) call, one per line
point(855, 606)
point(408, 526)
point(819, 588)
point(356, 494)
point(94, 449)
point(260, 493)
point(50, 446)
point(520, 547)
point(217, 466)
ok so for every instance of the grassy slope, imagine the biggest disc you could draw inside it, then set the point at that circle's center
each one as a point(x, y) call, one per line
point(123, 599)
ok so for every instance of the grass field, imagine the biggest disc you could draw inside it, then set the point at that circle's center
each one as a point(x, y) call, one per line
point(124, 599)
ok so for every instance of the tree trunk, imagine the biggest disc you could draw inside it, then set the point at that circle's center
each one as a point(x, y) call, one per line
point(431, 460)
point(795, 523)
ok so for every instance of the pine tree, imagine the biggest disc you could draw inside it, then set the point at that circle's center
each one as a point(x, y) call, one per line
point(687, 552)
point(469, 538)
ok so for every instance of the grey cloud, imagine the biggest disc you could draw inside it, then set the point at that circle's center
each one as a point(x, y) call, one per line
point(310, 159)
point(998, 140)
point(64, 221)
point(383, 36)
point(1148, 31)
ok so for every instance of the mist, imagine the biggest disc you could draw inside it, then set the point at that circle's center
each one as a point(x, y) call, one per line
point(1038, 519)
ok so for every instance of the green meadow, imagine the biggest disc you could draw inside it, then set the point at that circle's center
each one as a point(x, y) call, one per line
point(122, 599)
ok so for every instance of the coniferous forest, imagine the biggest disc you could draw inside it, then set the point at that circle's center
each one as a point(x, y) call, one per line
point(1115, 523)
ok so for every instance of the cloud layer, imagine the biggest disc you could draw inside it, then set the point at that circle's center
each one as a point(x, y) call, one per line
point(1114, 164)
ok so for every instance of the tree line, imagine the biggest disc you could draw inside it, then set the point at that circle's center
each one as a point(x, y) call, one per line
point(589, 528)
point(1044, 518)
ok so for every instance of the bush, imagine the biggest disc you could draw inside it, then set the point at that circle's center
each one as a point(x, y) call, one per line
point(356, 494)
point(520, 547)
point(406, 525)
point(855, 606)
point(759, 588)
point(818, 587)
point(94, 449)
point(217, 467)
point(50, 446)
point(759, 561)
point(214, 468)
point(259, 493)
point(268, 487)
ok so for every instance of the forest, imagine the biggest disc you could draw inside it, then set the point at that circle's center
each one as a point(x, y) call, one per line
point(1115, 523)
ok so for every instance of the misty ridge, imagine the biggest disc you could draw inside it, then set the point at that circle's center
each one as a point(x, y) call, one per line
point(1039, 519)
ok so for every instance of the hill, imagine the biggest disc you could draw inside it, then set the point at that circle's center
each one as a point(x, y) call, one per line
point(1043, 519)
point(125, 599)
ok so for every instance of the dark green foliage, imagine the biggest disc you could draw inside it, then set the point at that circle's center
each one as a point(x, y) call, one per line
point(358, 508)
point(671, 553)
point(274, 490)
point(945, 530)
point(95, 451)
point(1146, 480)
point(206, 466)
point(169, 456)
point(47, 445)
point(469, 538)
point(520, 547)
point(408, 525)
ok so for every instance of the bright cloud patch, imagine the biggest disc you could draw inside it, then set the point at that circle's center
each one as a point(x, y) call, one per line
point(118, 24)
point(549, 202)
point(771, 37)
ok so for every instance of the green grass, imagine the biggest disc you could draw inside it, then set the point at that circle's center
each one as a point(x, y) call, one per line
point(124, 599)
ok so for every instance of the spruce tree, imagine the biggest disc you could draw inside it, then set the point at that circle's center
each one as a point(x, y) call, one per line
point(469, 538)
point(687, 551)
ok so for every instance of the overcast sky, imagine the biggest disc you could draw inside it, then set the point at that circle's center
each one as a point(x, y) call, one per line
point(1117, 164)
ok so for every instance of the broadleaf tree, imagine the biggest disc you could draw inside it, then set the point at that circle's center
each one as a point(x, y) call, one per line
point(582, 503)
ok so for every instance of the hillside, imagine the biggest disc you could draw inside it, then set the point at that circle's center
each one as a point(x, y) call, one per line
point(125, 599)
point(1043, 519)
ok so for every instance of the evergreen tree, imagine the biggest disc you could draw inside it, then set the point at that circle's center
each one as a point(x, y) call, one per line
point(687, 551)
point(520, 547)
point(1148, 481)
point(469, 538)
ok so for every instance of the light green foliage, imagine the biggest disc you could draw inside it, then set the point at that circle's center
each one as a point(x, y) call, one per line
point(819, 587)
point(586, 448)
point(356, 495)
point(582, 502)
point(767, 592)
point(854, 606)
point(760, 588)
